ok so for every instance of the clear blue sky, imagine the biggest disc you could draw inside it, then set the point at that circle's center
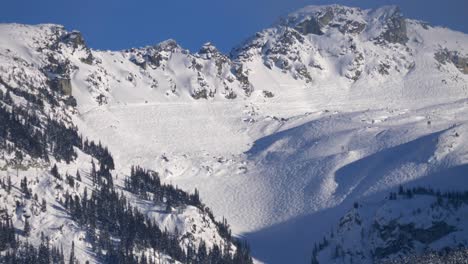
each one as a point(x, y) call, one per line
point(120, 24)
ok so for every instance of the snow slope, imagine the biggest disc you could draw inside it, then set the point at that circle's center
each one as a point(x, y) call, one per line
point(328, 106)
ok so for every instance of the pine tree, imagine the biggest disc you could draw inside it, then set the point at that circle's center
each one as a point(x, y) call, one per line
point(44, 251)
point(27, 227)
point(54, 171)
point(72, 254)
point(7, 98)
point(24, 187)
point(201, 253)
point(43, 205)
point(93, 172)
point(77, 207)
point(196, 197)
point(18, 161)
point(9, 184)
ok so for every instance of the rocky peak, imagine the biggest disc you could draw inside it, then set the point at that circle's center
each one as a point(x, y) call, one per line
point(74, 39)
point(319, 19)
point(392, 23)
point(169, 45)
point(385, 24)
point(156, 55)
point(208, 50)
point(208, 47)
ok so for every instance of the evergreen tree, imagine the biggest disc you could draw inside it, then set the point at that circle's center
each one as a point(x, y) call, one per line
point(78, 176)
point(27, 227)
point(7, 98)
point(24, 187)
point(54, 171)
point(93, 172)
point(9, 184)
point(44, 251)
point(43, 205)
point(72, 254)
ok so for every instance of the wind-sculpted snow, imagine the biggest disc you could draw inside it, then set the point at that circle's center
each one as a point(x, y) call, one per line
point(329, 106)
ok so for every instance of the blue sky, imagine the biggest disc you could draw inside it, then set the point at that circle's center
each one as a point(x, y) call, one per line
point(120, 24)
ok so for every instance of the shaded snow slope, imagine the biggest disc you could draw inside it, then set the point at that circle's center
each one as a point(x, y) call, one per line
point(409, 222)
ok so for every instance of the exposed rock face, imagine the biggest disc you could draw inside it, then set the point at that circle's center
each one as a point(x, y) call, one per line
point(88, 59)
point(209, 52)
point(450, 256)
point(58, 69)
point(155, 56)
point(291, 45)
point(230, 95)
point(339, 17)
point(58, 66)
point(288, 38)
point(74, 39)
point(268, 94)
point(242, 77)
point(408, 223)
point(309, 26)
point(202, 94)
point(62, 85)
point(320, 19)
point(352, 27)
point(208, 72)
point(169, 45)
point(326, 18)
point(462, 64)
point(396, 27)
point(446, 56)
point(407, 234)
point(203, 90)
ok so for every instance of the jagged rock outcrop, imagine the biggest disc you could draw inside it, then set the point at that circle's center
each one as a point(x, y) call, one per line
point(317, 20)
point(75, 39)
point(409, 223)
point(444, 56)
point(395, 27)
point(63, 85)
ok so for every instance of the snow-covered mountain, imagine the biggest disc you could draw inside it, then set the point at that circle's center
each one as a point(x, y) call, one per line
point(330, 106)
point(62, 194)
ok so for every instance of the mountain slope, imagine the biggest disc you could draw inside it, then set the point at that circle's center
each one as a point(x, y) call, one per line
point(60, 192)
